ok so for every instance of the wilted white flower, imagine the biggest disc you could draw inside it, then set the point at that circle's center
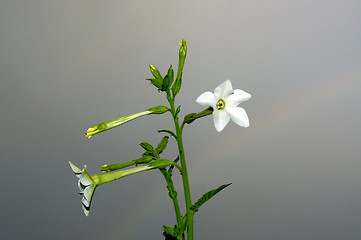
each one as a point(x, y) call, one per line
point(86, 186)
point(224, 102)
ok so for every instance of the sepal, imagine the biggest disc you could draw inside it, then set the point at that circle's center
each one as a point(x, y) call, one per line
point(158, 109)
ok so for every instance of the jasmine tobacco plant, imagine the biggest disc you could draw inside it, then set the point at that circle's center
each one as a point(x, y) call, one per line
point(222, 104)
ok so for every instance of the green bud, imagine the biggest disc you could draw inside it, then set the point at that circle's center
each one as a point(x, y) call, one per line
point(162, 145)
point(147, 146)
point(158, 80)
point(168, 79)
point(183, 49)
point(182, 55)
point(155, 72)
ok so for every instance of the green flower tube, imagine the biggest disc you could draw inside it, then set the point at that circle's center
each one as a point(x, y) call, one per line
point(87, 184)
point(104, 126)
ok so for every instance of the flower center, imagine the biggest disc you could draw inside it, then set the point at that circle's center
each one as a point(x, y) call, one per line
point(221, 104)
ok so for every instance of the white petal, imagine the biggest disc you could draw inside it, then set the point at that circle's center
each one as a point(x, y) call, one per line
point(85, 202)
point(207, 99)
point(85, 178)
point(223, 90)
point(81, 187)
point(86, 211)
point(237, 97)
point(88, 192)
point(238, 115)
point(86, 206)
point(220, 119)
point(75, 169)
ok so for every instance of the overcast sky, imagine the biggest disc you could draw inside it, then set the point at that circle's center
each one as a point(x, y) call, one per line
point(68, 65)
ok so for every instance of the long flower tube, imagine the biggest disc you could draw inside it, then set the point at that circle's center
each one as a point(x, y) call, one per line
point(101, 127)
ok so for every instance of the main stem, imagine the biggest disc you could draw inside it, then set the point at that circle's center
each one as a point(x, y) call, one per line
point(187, 193)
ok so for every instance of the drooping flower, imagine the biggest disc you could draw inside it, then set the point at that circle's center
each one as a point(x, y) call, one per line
point(224, 102)
point(86, 186)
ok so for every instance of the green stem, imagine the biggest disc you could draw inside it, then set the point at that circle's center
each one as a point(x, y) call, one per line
point(187, 194)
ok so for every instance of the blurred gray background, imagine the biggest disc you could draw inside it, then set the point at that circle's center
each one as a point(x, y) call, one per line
point(68, 65)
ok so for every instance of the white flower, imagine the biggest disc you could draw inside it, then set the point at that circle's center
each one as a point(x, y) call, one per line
point(224, 102)
point(86, 186)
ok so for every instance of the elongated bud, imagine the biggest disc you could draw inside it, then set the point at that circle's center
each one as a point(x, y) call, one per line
point(147, 146)
point(182, 56)
point(155, 72)
point(162, 145)
point(104, 126)
point(157, 81)
point(183, 49)
point(168, 79)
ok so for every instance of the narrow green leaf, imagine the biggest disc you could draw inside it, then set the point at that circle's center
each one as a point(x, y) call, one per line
point(168, 131)
point(207, 196)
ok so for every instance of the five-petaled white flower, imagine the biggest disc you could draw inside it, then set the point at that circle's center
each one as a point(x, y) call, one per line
point(224, 102)
point(86, 186)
